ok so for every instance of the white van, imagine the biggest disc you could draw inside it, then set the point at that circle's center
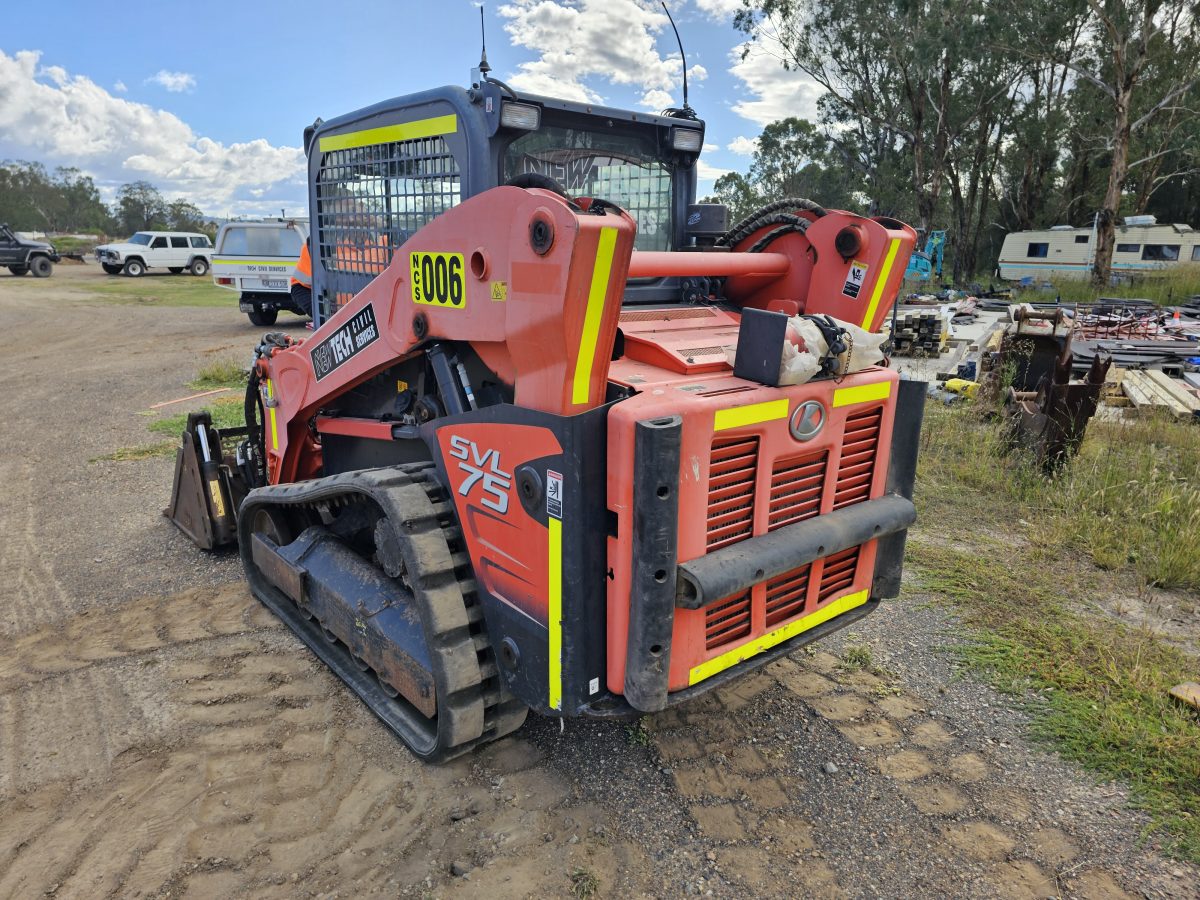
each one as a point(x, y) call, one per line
point(256, 259)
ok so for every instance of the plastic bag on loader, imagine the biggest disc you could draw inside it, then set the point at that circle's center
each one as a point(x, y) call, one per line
point(206, 490)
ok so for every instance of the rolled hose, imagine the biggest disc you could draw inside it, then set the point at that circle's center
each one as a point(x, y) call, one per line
point(771, 214)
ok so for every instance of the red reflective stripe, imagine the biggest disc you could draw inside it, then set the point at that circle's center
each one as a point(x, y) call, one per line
point(302, 274)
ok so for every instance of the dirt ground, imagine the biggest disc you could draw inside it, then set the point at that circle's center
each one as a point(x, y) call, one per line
point(162, 735)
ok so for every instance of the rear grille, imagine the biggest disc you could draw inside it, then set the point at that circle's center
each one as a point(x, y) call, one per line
point(786, 595)
point(796, 487)
point(731, 490)
point(838, 573)
point(665, 315)
point(857, 465)
point(727, 621)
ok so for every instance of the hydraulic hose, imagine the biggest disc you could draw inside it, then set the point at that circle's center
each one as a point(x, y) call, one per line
point(771, 214)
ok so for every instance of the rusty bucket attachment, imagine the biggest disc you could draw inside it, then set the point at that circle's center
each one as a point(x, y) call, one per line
point(207, 489)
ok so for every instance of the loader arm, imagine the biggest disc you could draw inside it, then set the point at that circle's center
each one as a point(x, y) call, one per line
point(531, 281)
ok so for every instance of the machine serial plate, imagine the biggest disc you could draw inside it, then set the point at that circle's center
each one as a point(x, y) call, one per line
point(343, 344)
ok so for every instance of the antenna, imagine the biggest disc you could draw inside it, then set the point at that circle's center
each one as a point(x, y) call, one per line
point(688, 112)
point(484, 68)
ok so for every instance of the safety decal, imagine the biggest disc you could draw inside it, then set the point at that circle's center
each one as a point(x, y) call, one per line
point(554, 493)
point(855, 279)
point(499, 291)
point(437, 280)
point(349, 340)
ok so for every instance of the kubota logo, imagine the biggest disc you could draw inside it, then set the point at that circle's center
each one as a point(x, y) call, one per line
point(482, 468)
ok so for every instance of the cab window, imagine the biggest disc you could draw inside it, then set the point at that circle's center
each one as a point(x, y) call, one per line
point(626, 170)
point(1038, 250)
point(201, 242)
point(159, 243)
point(179, 242)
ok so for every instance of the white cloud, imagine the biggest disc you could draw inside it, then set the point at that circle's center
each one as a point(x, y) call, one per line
point(705, 172)
point(606, 40)
point(709, 148)
point(73, 121)
point(175, 82)
point(778, 93)
point(742, 145)
point(719, 9)
point(120, 88)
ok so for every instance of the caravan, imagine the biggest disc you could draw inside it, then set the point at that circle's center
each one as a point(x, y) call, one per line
point(1142, 246)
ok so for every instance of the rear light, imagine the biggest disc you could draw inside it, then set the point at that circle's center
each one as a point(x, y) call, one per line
point(687, 139)
point(520, 115)
point(224, 281)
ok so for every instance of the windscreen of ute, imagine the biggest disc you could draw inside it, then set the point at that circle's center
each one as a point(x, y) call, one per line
point(618, 168)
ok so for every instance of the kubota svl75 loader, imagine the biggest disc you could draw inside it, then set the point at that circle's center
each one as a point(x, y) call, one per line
point(536, 454)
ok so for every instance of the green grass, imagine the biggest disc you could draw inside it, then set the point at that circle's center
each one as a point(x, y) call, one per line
point(1098, 688)
point(162, 289)
point(1167, 288)
point(584, 883)
point(137, 454)
point(227, 412)
point(220, 373)
point(857, 656)
point(636, 734)
point(1021, 558)
point(76, 245)
point(1130, 499)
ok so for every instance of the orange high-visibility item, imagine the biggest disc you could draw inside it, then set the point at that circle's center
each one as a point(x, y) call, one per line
point(302, 274)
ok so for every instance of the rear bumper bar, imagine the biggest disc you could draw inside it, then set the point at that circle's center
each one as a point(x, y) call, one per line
point(734, 569)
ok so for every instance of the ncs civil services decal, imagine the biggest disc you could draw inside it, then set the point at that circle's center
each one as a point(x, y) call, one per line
point(349, 340)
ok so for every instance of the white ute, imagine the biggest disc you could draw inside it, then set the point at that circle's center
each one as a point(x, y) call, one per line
point(256, 260)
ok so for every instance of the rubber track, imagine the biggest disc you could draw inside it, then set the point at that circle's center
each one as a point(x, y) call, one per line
point(473, 706)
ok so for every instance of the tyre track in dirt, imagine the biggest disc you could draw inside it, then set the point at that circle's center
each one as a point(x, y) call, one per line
point(189, 746)
point(33, 591)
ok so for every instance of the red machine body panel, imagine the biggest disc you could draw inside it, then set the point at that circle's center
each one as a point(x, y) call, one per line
point(508, 547)
point(743, 474)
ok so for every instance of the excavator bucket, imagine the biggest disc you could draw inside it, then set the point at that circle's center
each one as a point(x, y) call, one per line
point(206, 490)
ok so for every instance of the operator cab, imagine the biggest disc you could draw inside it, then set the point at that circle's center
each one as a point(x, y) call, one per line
point(378, 175)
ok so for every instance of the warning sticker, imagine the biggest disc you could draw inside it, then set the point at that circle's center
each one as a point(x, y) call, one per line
point(500, 291)
point(855, 279)
point(554, 493)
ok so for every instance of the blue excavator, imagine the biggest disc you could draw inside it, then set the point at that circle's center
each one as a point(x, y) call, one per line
point(926, 264)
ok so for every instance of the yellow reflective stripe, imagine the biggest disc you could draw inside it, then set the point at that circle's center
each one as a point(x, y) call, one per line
point(750, 415)
point(554, 576)
point(593, 314)
point(271, 411)
point(880, 390)
point(408, 131)
point(254, 262)
point(739, 654)
point(881, 282)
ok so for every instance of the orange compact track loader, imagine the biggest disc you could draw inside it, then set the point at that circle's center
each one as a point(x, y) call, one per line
point(536, 454)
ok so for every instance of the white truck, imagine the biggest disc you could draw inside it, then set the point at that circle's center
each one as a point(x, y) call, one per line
point(256, 260)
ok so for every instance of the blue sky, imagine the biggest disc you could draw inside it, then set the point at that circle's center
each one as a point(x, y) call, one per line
point(209, 101)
